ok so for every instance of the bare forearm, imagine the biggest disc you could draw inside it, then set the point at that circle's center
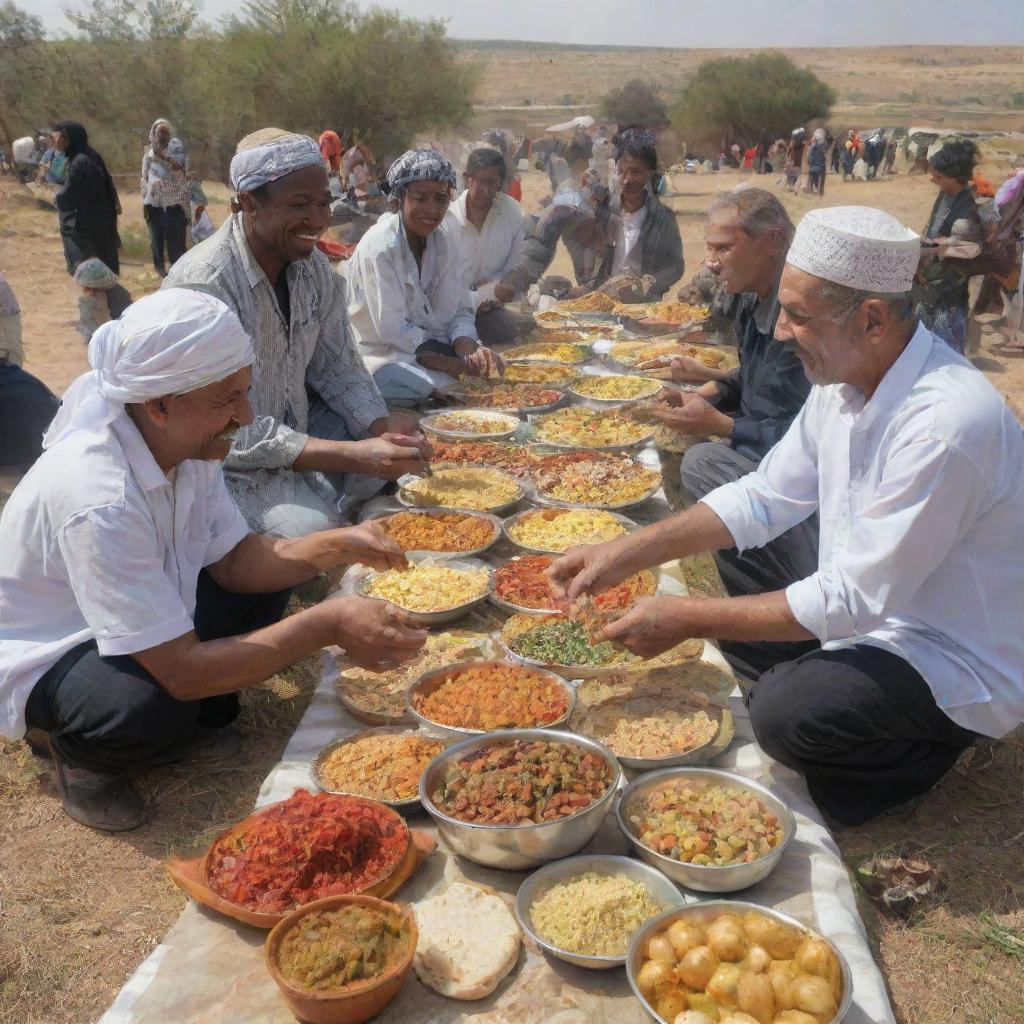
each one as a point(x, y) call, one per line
point(693, 532)
point(196, 669)
point(765, 617)
point(263, 565)
point(327, 456)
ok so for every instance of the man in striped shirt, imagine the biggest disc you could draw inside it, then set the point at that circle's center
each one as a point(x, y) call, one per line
point(322, 439)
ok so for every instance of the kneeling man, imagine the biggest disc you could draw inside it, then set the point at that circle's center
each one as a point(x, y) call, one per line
point(134, 601)
point(916, 468)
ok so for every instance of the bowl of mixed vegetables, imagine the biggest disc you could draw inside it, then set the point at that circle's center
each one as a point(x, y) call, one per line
point(708, 830)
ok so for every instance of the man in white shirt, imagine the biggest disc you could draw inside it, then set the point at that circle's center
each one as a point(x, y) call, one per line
point(490, 228)
point(916, 467)
point(134, 601)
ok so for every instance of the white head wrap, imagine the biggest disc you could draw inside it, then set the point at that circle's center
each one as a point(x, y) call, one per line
point(262, 164)
point(169, 343)
point(856, 246)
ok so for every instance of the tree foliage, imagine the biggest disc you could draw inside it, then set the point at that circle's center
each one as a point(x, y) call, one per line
point(304, 65)
point(738, 98)
point(635, 103)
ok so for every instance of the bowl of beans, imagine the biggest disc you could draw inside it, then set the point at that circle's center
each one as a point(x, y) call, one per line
point(708, 830)
point(474, 697)
point(519, 798)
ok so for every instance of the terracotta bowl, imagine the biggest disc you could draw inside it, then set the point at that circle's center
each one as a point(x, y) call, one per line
point(356, 1002)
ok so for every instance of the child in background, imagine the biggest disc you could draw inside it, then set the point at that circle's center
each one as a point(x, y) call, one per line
point(103, 296)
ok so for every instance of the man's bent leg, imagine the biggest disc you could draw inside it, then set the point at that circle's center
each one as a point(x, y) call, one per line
point(499, 325)
point(861, 725)
point(788, 558)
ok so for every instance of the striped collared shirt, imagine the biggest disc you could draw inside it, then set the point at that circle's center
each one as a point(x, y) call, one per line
point(316, 351)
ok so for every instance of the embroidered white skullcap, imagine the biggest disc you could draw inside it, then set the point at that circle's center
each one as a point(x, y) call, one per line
point(172, 342)
point(856, 246)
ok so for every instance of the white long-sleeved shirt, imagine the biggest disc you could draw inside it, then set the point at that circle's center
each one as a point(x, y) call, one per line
point(395, 307)
point(920, 492)
point(493, 251)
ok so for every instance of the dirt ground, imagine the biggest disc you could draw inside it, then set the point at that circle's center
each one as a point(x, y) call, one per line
point(79, 910)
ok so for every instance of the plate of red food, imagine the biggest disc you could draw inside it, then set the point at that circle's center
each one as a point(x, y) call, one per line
point(302, 849)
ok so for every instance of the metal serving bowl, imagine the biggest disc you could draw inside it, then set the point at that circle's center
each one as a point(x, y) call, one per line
point(517, 847)
point(438, 618)
point(511, 522)
point(524, 410)
point(511, 421)
point(611, 403)
point(544, 499)
point(404, 498)
point(603, 864)
point(387, 730)
point(494, 521)
point(429, 680)
point(704, 913)
point(624, 446)
point(706, 877)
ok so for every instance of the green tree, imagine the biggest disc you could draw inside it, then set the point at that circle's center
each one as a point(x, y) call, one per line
point(736, 99)
point(634, 103)
point(21, 43)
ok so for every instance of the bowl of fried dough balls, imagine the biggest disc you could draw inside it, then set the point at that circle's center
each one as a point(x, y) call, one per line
point(727, 962)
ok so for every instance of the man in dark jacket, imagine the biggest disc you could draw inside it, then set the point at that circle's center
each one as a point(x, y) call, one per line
point(747, 236)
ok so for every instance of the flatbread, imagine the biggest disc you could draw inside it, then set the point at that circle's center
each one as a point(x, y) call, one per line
point(469, 940)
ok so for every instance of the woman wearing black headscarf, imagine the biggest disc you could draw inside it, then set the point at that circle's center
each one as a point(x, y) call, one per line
point(87, 203)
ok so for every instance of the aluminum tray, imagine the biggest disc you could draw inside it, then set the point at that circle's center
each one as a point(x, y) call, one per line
point(513, 520)
point(512, 421)
point(403, 497)
point(439, 618)
point(427, 510)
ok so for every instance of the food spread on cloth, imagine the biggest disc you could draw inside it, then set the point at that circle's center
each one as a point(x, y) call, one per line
point(556, 374)
point(522, 782)
point(593, 914)
point(380, 696)
point(592, 302)
point(380, 766)
point(439, 531)
point(558, 529)
point(679, 313)
point(632, 353)
point(468, 422)
point(342, 947)
point(428, 588)
point(707, 824)
point(511, 397)
point(514, 459)
point(560, 640)
point(470, 487)
point(616, 387)
point(741, 968)
point(594, 478)
point(469, 940)
point(492, 695)
point(523, 582)
point(305, 848)
point(590, 428)
point(548, 352)
point(649, 719)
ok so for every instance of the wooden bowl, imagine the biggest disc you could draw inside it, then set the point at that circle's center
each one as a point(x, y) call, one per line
point(356, 1002)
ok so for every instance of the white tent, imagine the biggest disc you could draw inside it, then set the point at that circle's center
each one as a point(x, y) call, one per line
point(584, 121)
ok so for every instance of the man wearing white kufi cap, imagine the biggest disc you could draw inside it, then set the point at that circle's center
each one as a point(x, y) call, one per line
point(134, 601)
point(872, 674)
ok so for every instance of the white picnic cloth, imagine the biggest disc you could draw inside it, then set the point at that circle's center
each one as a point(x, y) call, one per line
point(210, 970)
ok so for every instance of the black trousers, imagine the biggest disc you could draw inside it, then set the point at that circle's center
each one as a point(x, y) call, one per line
point(791, 557)
point(498, 325)
point(110, 714)
point(26, 408)
point(166, 228)
point(860, 724)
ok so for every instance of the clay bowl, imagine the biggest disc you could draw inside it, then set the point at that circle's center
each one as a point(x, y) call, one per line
point(355, 1003)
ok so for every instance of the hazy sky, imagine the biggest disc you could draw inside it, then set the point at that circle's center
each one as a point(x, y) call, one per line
point(722, 23)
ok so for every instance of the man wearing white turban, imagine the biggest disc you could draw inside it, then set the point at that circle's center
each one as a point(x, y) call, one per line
point(321, 439)
point(134, 601)
point(871, 675)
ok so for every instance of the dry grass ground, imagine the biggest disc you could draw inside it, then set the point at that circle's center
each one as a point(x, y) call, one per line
point(79, 910)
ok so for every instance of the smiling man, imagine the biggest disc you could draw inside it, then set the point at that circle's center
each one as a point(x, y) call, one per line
point(916, 467)
point(134, 600)
point(321, 439)
point(747, 235)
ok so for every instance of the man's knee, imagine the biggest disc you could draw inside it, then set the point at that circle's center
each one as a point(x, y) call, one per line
point(707, 466)
point(292, 520)
point(785, 705)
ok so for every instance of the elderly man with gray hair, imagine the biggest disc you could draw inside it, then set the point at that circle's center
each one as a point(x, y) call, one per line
point(322, 439)
point(916, 468)
point(134, 600)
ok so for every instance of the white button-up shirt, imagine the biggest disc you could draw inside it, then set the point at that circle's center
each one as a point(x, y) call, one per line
point(921, 498)
point(493, 251)
point(395, 306)
point(97, 543)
